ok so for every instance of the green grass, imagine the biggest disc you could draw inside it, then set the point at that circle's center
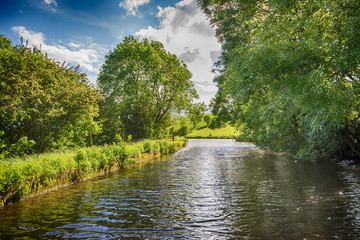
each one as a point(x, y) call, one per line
point(22, 176)
point(204, 132)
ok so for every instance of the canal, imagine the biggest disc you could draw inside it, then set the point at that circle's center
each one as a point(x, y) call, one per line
point(212, 189)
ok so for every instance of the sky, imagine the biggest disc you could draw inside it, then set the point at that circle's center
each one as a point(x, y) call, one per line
point(83, 32)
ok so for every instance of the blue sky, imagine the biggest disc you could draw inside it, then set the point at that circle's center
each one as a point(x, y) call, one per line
point(83, 32)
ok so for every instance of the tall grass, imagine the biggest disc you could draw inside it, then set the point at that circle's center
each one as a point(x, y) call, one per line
point(32, 174)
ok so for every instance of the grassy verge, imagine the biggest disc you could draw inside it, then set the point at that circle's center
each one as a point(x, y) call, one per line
point(20, 177)
point(202, 129)
point(224, 132)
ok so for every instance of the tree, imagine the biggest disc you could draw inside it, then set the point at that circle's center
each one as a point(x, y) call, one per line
point(196, 113)
point(42, 101)
point(142, 85)
point(182, 129)
point(207, 119)
point(290, 72)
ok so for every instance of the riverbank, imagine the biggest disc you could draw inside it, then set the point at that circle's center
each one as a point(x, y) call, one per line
point(24, 177)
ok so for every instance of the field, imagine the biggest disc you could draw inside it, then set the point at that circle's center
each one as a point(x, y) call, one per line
point(204, 132)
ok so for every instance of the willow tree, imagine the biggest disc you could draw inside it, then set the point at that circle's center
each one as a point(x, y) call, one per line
point(142, 85)
point(290, 72)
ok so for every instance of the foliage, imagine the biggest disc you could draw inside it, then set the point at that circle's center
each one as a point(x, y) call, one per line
point(42, 105)
point(142, 85)
point(183, 130)
point(289, 71)
point(180, 126)
point(207, 119)
point(220, 105)
point(196, 113)
point(21, 147)
point(23, 176)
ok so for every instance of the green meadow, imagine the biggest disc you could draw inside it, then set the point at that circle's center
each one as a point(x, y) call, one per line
point(205, 132)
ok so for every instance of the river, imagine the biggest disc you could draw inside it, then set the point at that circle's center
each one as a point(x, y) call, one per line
point(212, 189)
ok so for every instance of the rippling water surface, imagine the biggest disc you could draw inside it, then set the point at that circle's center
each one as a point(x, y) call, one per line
point(213, 189)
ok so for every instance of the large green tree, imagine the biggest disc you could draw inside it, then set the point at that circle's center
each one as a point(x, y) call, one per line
point(42, 101)
point(142, 85)
point(290, 72)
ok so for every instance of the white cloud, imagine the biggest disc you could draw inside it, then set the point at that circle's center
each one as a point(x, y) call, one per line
point(132, 5)
point(92, 78)
point(74, 45)
point(50, 2)
point(89, 58)
point(185, 31)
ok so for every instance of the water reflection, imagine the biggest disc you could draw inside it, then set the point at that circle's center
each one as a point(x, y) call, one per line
point(213, 189)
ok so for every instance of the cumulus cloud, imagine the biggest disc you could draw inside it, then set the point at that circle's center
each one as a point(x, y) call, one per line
point(202, 28)
point(189, 56)
point(132, 5)
point(89, 58)
point(214, 55)
point(185, 31)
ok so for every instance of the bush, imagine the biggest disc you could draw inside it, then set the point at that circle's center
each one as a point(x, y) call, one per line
point(147, 146)
point(183, 131)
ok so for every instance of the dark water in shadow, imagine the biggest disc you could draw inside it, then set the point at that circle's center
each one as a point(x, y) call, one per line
point(213, 189)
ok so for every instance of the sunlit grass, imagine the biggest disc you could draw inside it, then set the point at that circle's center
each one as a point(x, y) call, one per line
point(204, 132)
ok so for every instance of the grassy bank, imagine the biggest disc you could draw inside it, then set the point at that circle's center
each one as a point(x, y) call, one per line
point(205, 132)
point(202, 129)
point(20, 177)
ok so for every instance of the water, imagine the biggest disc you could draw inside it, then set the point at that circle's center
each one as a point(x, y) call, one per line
point(213, 189)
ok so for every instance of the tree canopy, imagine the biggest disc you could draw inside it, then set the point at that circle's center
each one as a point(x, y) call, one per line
point(290, 72)
point(142, 85)
point(41, 101)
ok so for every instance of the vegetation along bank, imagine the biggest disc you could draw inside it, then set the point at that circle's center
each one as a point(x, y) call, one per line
point(24, 176)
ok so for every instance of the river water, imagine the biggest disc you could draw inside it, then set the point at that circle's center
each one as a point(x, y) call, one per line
point(212, 189)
